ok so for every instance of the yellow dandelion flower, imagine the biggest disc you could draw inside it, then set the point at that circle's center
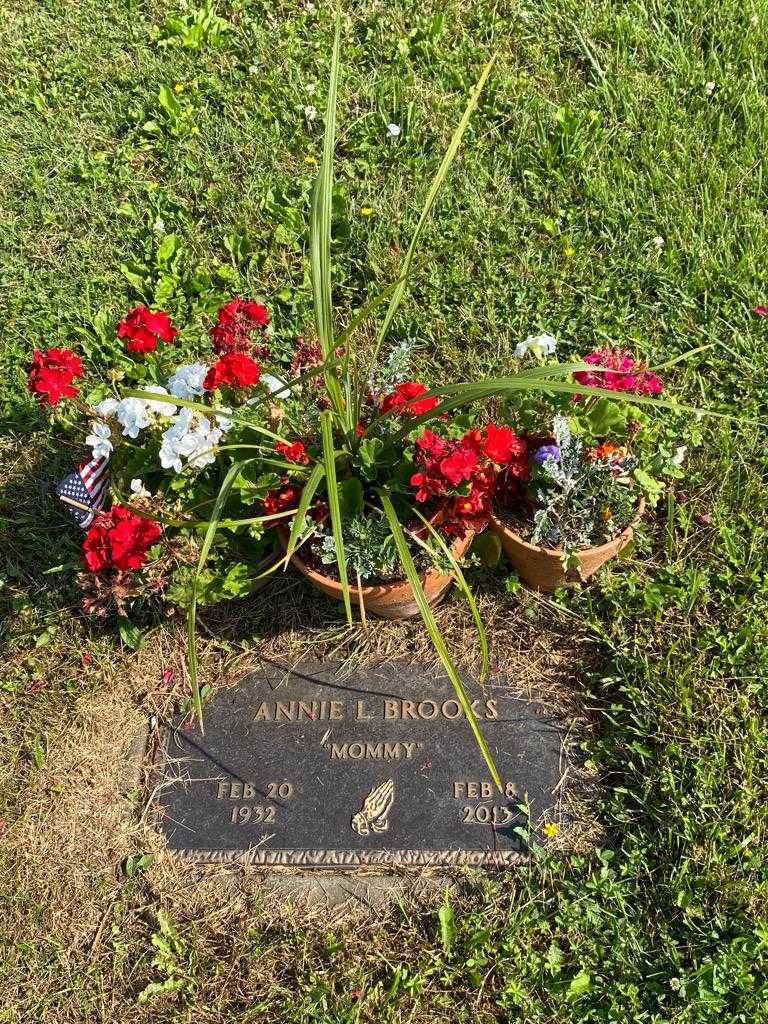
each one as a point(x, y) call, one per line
point(178, 88)
point(309, 159)
point(366, 211)
point(569, 251)
point(551, 830)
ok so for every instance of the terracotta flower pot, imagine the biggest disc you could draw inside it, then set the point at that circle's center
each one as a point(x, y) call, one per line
point(387, 600)
point(542, 568)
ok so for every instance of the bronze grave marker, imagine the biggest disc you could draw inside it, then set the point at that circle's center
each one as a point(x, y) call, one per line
point(318, 767)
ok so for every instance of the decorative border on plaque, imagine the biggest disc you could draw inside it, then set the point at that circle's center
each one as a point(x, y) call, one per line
point(358, 858)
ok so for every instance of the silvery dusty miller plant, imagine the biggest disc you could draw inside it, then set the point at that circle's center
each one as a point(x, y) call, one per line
point(582, 500)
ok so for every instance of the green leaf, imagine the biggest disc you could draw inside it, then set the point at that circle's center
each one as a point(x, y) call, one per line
point(351, 498)
point(167, 250)
point(310, 487)
point(607, 417)
point(434, 190)
point(131, 635)
point(169, 103)
point(329, 460)
point(447, 925)
point(652, 488)
point(221, 498)
point(160, 988)
point(487, 547)
point(434, 633)
point(135, 863)
point(579, 985)
point(320, 234)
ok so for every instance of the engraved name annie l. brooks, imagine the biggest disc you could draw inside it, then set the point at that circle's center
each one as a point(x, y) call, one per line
point(369, 710)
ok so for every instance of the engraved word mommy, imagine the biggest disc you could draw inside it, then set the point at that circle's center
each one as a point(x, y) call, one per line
point(319, 767)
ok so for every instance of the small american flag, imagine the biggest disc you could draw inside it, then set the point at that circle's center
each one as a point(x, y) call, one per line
point(85, 490)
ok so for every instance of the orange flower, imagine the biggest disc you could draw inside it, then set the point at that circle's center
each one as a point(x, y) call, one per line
point(607, 451)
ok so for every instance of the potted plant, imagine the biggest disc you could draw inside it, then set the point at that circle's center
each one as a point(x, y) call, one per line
point(573, 498)
point(436, 480)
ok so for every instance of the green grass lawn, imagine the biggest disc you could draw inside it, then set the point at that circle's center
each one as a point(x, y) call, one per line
point(610, 190)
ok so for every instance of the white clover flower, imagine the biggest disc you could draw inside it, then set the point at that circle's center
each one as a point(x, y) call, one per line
point(709, 88)
point(657, 242)
point(310, 112)
point(393, 130)
point(311, 88)
point(679, 456)
point(99, 440)
point(187, 381)
point(138, 490)
point(541, 344)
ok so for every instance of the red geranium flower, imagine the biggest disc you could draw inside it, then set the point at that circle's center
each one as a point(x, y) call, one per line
point(459, 466)
point(431, 444)
point(144, 329)
point(235, 324)
point(402, 400)
point(119, 539)
point(235, 369)
point(51, 375)
point(293, 452)
point(280, 500)
point(501, 444)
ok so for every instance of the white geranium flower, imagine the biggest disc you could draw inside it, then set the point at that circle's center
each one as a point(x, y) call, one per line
point(310, 112)
point(192, 437)
point(99, 440)
point(224, 423)
point(275, 386)
point(187, 381)
point(393, 130)
point(134, 414)
point(160, 408)
point(108, 407)
point(138, 490)
point(541, 344)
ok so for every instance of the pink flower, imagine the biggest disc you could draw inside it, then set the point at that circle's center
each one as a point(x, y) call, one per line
point(760, 310)
point(619, 372)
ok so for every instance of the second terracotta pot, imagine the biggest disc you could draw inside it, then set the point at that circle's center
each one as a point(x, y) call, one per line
point(387, 600)
point(542, 568)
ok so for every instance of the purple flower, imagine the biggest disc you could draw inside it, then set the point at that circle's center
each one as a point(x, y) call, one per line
point(547, 451)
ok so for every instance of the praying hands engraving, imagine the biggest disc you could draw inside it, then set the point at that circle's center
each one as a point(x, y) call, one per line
point(373, 814)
